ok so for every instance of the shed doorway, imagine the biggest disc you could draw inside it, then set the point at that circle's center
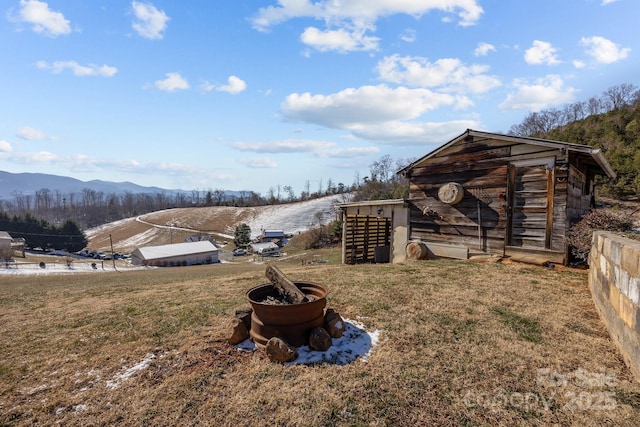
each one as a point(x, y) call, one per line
point(530, 204)
point(366, 239)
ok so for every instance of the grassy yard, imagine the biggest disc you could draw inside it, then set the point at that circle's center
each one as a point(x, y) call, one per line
point(462, 344)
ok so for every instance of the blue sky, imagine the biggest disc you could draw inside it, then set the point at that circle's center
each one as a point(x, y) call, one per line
point(252, 95)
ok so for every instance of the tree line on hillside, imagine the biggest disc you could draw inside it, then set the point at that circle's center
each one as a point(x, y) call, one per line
point(610, 123)
point(38, 233)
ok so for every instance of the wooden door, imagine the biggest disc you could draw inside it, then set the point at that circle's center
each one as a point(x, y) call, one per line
point(530, 204)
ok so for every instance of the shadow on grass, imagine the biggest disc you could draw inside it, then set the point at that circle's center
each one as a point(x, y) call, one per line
point(528, 329)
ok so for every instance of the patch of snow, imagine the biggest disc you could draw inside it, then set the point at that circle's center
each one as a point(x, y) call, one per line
point(139, 239)
point(120, 378)
point(355, 343)
point(294, 218)
point(35, 389)
point(33, 268)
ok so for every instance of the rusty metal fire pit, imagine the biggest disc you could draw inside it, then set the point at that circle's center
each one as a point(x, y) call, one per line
point(290, 322)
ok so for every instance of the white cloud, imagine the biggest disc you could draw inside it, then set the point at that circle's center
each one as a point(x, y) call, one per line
point(415, 133)
point(362, 11)
point(348, 22)
point(234, 85)
point(541, 94)
point(77, 69)
point(541, 53)
point(5, 147)
point(259, 163)
point(149, 22)
point(606, 2)
point(43, 20)
point(173, 82)
point(604, 51)
point(579, 64)
point(483, 49)
point(364, 105)
point(31, 134)
point(207, 86)
point(350, 152)
point(449, 74)
point(285, 146)
point(317, 148)
point(377, 113)
point(409, 35)
point(39, 157)
point(84, 163)
point(342, 40)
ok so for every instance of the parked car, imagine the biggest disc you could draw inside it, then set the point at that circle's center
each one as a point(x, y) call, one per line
point(239, 252)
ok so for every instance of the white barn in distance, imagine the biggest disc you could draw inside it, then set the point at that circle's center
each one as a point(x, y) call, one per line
point(176, 254)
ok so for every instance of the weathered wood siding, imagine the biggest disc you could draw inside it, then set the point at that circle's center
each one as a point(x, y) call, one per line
point(480, 167)
point(539, 196)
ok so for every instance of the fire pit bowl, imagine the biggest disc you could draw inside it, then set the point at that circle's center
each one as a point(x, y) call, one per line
point(291, 322)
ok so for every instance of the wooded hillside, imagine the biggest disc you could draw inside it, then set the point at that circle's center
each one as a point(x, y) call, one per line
point(611, 123)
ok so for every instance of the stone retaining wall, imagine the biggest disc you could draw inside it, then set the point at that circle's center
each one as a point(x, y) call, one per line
point(614, 279)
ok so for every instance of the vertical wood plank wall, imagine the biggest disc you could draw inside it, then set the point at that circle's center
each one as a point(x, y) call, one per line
point(363, 233)
point(482, 168)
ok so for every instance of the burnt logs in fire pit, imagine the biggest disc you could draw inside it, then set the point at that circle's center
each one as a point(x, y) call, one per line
point(285, 287)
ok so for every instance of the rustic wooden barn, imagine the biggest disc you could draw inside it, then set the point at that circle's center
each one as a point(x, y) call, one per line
point(512, 196)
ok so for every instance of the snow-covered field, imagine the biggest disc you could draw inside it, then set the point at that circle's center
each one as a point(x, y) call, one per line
point(291, 218)
point(295, 217)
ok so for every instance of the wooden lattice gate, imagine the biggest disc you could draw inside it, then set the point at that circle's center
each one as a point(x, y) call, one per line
point(365, 236)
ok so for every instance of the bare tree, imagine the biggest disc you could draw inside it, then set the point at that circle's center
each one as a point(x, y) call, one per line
point(594, 106)
point(619, 96)
point(291, 196)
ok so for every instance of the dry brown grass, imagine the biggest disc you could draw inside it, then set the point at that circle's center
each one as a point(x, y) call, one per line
point(462, 344)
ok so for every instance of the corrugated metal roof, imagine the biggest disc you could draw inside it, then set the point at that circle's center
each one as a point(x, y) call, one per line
point(176, 249)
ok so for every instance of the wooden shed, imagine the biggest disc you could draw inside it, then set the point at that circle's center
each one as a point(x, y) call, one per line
point(512, 196)
point(374, 231)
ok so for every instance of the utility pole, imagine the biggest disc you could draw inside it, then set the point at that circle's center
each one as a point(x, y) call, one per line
point(113, 258)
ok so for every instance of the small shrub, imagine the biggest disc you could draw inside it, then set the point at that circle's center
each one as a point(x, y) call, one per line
point(580, 235)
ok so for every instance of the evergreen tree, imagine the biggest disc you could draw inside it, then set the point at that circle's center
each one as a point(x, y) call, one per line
point(242, 236)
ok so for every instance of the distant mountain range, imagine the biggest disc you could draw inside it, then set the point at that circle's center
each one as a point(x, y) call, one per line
point(29, 183)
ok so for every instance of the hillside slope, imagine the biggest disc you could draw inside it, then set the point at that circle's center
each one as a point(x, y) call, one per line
point(175, 225)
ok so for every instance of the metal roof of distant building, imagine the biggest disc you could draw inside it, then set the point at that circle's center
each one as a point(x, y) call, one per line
point(176, 249)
